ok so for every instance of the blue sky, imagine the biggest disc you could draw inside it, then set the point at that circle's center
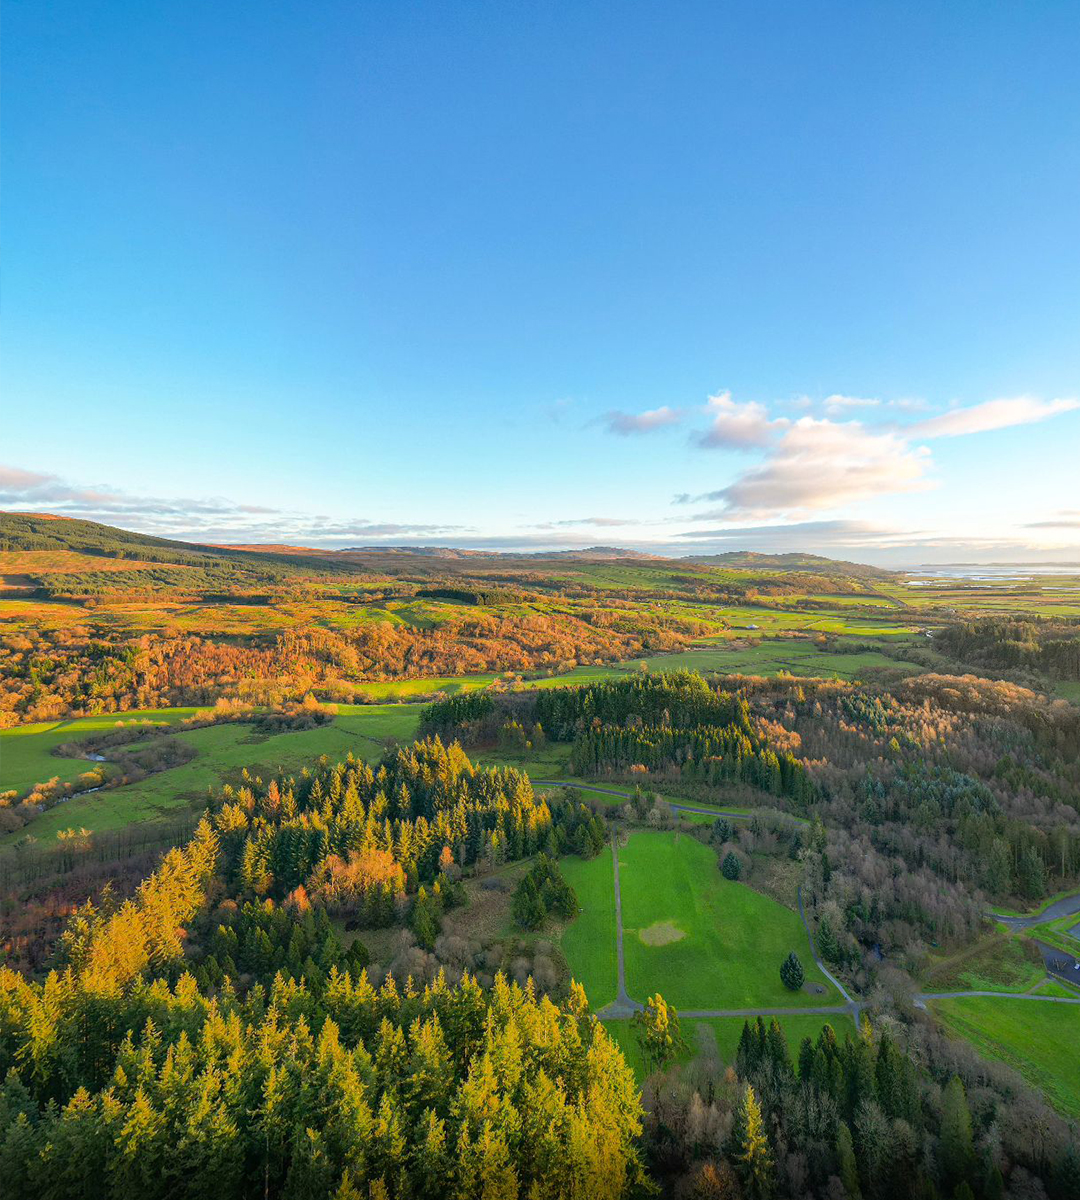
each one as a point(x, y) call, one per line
point(682, 276)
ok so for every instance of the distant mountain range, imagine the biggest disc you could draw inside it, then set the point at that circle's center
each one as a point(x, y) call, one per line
point(44, 531)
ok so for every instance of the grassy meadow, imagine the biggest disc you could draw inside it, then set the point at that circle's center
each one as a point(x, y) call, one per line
point(702, 940)
point(1038, 1039)
point(222, 753)
point(588, 942)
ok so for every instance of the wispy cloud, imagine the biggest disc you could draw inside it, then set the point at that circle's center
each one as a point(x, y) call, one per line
point(836, 405)
point(992, 414)
point(199, 519)
point(599, 522)
point(625, 424)
point(815, 464)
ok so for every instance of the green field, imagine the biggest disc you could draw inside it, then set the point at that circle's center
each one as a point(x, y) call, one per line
point(734, 939)
point(588, 942)
point(771, 656)
point(1030, 1035)
point(26, 752)
point(222, 752)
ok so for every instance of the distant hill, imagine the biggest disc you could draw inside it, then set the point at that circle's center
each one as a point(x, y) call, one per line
point(416, 551)
point(594, 552)
point(752, 561)
point(44, 531)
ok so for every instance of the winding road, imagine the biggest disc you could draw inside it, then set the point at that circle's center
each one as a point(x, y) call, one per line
point(1067, 906)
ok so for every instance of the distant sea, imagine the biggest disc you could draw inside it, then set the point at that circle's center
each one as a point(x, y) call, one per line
point(990, 572)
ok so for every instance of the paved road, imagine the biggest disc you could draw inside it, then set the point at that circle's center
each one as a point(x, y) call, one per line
point(623, 1007)
point(853, 1006)
point(690, 808)
point(1067, 906)
point(922, 997)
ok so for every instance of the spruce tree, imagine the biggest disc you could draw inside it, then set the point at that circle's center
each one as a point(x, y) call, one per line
point(791, 972)
point(956, 1148)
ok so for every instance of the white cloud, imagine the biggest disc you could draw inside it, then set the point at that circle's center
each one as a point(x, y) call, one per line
point(992, 414)
point(625, 424)
point(813, 464)
point(822, 464)
point(739, 426)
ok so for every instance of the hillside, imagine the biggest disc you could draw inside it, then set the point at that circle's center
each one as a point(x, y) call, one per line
point(752, 560)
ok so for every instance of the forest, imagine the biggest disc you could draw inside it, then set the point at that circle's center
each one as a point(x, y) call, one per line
point(389, 967)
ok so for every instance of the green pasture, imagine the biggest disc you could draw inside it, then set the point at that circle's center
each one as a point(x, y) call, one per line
point(26, 752)
point(1032, 1036)
point(222, 752)
point(772, 656)
point(1002, 962)
point(734, 939)
point(588, 942)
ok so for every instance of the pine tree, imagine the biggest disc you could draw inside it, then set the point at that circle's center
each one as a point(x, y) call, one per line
point(845, 1156)
point(731, 868)
point(956, 1148)
point(791, 972)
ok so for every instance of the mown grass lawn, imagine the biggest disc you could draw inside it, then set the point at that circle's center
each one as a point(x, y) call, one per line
point(588, 942)
point(1038, 1038)
point(734, 938)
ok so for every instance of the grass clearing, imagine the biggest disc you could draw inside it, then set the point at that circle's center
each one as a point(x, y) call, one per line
point(1002, 962)
point(26, 752)
point(735, 940)
point(1029, 1035)
point(663, 933)
point(588, 942)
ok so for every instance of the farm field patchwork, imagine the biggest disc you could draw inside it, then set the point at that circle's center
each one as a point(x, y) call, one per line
point(1029, 1035)
point(733, 938)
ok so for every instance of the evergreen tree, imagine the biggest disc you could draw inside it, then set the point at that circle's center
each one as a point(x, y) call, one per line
point(956, 1147)
point(846, 1164)
point(731, 868)
point(791, 972)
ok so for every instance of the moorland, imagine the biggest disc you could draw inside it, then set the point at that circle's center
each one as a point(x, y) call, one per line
point(409, 872)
